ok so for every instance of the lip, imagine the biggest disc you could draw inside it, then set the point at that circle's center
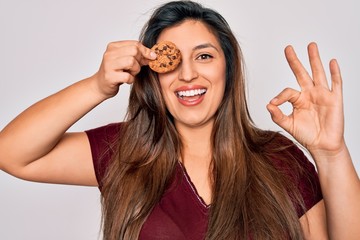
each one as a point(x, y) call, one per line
point(192, 102)
point(189, 87)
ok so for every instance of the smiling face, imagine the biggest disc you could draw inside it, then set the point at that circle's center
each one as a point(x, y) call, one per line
point(195, 89)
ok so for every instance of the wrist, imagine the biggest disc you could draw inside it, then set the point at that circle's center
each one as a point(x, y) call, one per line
point(99, 92)
point(329, 161)
point(330, 153)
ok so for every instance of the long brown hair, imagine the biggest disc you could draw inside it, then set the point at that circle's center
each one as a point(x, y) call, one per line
point(250, 197)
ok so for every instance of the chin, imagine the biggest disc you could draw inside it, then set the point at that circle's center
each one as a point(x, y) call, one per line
point(194, 122)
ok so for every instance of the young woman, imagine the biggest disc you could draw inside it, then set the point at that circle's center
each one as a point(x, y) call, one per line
point(188, 163)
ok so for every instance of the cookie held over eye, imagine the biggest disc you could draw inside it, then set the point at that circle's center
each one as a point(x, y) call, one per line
point(168, 57)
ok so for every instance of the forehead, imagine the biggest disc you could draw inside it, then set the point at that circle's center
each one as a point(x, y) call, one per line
point(188, 34)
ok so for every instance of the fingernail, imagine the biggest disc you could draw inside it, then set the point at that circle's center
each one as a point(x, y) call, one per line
point(153, 55)
point(274, 100)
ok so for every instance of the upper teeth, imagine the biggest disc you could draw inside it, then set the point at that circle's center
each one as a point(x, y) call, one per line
point(191, 93)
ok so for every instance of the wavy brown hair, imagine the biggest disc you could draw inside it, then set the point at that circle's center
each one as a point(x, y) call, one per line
point(250, 196)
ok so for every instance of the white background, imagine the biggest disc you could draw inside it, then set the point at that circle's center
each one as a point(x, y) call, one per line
point(47, 45)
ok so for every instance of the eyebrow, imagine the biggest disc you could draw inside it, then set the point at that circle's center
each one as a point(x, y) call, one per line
point(205, 45)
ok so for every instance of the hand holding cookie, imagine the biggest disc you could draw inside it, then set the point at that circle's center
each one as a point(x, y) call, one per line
point(168, 57)
point(121, 62)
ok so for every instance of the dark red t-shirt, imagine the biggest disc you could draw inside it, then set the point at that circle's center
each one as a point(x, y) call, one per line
point(181, 213)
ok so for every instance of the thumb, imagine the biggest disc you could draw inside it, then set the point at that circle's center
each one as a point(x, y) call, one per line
point(147, 55)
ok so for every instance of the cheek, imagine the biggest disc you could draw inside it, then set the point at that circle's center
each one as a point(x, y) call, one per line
point(220, 84)
point(165, 84)
point(222, 78)
point(218, 78)
point(166, 79)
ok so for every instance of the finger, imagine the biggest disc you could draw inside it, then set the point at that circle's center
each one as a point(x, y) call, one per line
point(141, 53)
point(317, 69)
point(117, 70)
point(115, 63)
point(125, 77)
point(336, 79)
point(119, 78)
point(279, 117)
point(287, 95)
point(302, 76)
point(128, 64)
point(132, 48)
point(146, 55)
point(123, 57)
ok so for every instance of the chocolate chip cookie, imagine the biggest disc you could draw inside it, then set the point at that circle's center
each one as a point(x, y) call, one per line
point(168, 57)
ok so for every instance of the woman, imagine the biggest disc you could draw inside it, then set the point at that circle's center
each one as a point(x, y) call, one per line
point(191, 164)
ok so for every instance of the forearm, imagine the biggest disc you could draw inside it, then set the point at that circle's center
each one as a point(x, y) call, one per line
point(341, 190)
point(36, 131)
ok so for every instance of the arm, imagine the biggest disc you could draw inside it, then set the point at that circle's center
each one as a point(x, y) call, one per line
point(35, 145)
point(317, 123)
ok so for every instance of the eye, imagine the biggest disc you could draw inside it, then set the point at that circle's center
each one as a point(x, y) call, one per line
point(204, 56)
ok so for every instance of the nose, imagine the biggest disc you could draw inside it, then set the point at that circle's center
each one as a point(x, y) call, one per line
point(187, 71)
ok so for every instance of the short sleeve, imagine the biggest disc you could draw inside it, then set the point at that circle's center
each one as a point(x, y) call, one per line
point(301, 172)
point(103, 145)
point(308, 184)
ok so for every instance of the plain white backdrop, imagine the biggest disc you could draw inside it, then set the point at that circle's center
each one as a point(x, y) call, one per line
point(48, 45)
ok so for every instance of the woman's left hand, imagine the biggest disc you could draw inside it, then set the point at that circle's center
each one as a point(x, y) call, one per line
point(317, 120)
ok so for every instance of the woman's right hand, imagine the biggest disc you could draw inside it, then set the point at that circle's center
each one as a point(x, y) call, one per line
point(121, 62)
point(35, 145)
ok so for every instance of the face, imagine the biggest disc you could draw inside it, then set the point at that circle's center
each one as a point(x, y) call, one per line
point(195, 89)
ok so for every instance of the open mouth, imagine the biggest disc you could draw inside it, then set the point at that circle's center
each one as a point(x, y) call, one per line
point(190, 95)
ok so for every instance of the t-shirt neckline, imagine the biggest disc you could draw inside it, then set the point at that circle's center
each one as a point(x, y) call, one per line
point(192, 187)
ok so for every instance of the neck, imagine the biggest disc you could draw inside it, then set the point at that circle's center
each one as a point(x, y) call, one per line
point(196, 143)
point(196, 157)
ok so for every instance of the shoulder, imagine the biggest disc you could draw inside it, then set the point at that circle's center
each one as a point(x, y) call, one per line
point(289, 157)
point(282, 151)
point(109, 130)
point(103, 139)
point(290, 160)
